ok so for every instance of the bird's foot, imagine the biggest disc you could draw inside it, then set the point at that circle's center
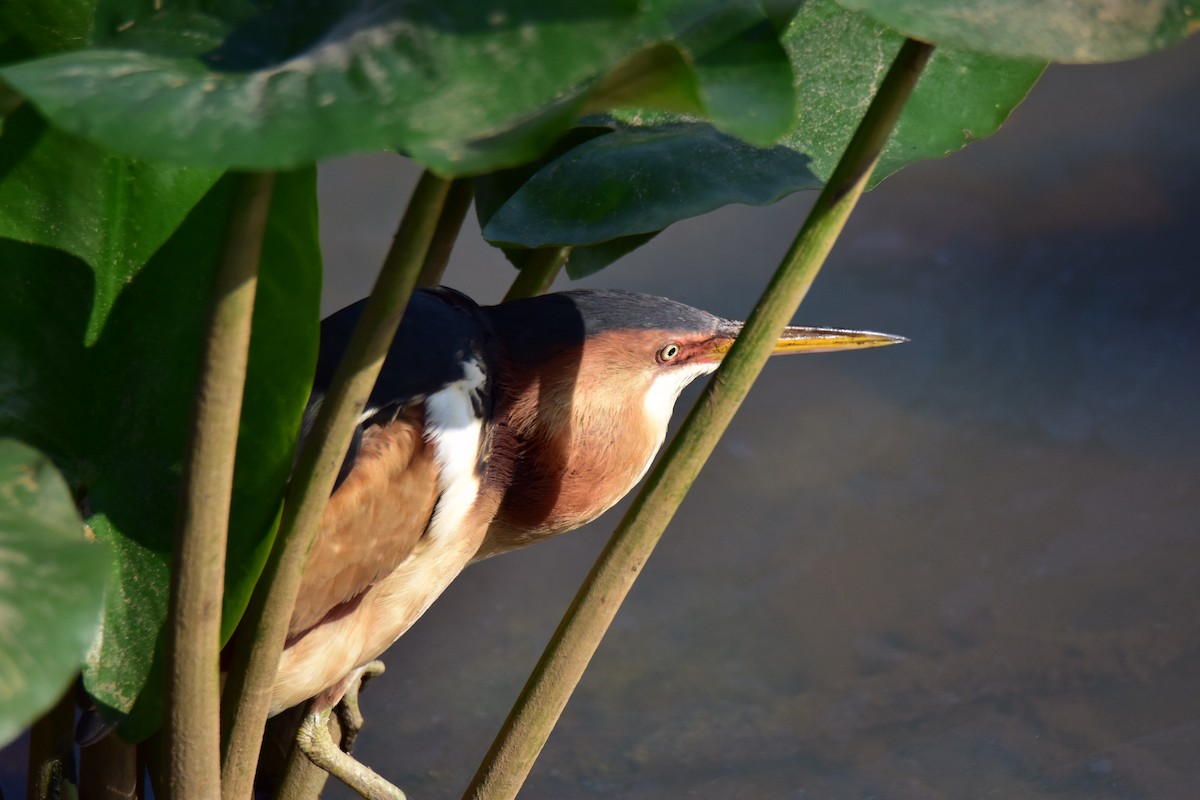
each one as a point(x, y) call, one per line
point(349, 714)
point(317, 744)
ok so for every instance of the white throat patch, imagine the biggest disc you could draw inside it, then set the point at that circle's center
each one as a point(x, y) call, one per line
point(664, 391)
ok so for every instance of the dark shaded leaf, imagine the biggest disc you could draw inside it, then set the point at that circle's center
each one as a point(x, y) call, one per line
point(51, 587)
point(113, 212)
point(47, 26)
point(1049, 30)
point(494, 190)
point(639, 180)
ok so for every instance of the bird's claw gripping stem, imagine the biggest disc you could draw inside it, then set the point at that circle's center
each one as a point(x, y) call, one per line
point(349, 714)
point(314, 741)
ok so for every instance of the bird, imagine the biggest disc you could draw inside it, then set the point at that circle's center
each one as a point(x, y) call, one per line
point(489, 428)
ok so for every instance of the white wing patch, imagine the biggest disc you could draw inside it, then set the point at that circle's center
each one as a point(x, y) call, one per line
point(455, 430)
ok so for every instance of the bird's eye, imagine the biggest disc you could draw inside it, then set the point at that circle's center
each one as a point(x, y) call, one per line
point(668, 353)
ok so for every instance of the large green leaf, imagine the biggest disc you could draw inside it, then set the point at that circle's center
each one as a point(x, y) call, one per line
point(463, 87)
point(115, 415)
point(60, 190)
point(1054, 30)
point(51, 587)
point(113, 212)
point(639, 180)
point(840, 58)
point(657, 168)
point(300, 82)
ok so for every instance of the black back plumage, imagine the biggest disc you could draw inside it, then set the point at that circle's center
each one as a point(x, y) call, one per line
point(441, 330)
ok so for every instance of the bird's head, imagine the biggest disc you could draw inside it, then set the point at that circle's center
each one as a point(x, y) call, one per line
point(629, 346)
point(593, 376)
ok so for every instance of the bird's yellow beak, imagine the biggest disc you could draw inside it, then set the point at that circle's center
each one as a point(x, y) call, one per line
point(824, 340)
point(806, 340)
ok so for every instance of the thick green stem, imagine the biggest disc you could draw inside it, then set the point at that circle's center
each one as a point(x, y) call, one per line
point(198, 576)
point(454, 211)
point(264, 628)
point(562, 664)
point(538, 273)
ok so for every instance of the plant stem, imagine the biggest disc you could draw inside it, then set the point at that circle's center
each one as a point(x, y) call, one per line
point(454, 211)
point(528, 726)
point(301, 779)
point(198, 577)
point(264, 628)
point(109, 770)
point(538, 273)
point(52, 750)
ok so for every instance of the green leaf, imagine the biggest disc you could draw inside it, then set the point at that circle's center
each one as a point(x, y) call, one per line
point(298, 82)
point(113, 212)
point(1051, 30)
point(638, 181)
point(48, 25)
point(745, 81)
point(657, 168)
point(52, 585)
point(294, 85)
point(115, 415)
point(494, 190)
point(657, 77)
point(840, 57)
point(727, 66)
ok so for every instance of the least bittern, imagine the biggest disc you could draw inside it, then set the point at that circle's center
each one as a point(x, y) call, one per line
point(489, 428)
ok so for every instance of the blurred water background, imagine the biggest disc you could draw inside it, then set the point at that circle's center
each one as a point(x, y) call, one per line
point(966, 567)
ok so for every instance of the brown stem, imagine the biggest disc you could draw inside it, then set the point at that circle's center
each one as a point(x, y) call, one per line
point(454, 211)
point(52, 750)
point(109, 770)
point(198, 576)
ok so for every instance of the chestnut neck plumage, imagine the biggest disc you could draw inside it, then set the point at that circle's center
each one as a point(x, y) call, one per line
point(567, 441)
point(581, 405)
